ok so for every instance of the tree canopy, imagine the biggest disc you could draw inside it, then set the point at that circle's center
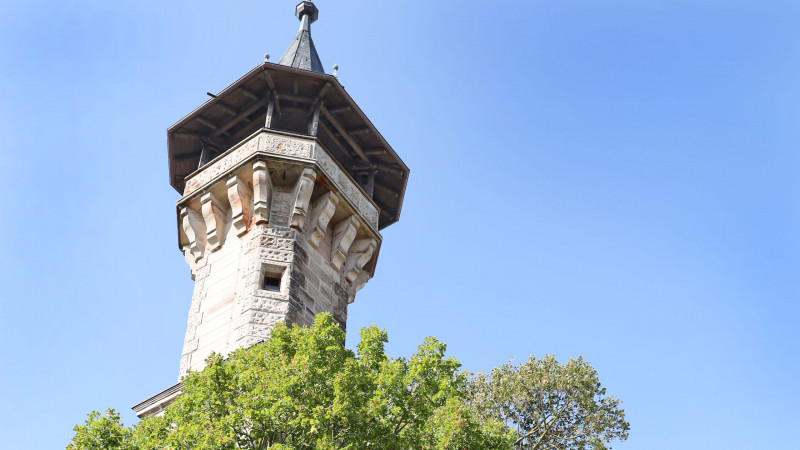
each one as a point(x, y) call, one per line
point(302, 389)
point(549, 405)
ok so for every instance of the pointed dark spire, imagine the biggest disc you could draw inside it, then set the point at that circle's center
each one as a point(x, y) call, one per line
point(301, 53)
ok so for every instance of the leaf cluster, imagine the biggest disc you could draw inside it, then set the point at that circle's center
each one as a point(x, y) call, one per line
point(550, 405)
point(302, 389)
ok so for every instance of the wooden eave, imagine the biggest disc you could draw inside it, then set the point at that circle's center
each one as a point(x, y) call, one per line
point(241, 108)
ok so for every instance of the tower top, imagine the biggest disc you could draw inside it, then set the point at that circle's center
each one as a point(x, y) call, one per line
point(308, 8)
point(301, 53)
point(293, 96)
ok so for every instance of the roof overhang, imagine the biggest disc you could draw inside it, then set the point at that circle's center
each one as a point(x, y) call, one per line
point(241, 108)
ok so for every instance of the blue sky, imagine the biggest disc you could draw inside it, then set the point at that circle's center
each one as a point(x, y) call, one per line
point(612, 179)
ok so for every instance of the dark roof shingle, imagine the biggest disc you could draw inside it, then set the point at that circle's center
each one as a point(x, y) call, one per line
point(301, 53)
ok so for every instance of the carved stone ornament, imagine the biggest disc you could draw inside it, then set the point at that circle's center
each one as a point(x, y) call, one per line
point(302, 198)
point(214, 215)
point(360, 253)
point(343, 235)
point(321, 215)
point(262, 189)
point(240, 197)
point(194, 228)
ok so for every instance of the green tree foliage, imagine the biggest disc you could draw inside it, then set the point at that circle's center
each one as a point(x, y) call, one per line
point(550, 405)
point(302, 389)
point(100, 432)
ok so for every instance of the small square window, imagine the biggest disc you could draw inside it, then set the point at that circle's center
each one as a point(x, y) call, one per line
point(271, 283)
point(272, 277)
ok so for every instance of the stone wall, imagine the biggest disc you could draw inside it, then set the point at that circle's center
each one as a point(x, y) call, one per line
point(264, 215)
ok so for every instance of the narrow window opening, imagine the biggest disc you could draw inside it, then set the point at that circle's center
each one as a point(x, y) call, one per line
point(272, 279)
point(271, 283)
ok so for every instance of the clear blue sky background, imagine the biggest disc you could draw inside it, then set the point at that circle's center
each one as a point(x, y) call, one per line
point(610, 178)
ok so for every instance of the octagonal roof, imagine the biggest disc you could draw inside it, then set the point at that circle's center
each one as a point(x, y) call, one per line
point(344, 130)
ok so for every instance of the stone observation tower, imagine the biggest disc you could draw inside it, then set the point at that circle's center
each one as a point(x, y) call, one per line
point(285, 185)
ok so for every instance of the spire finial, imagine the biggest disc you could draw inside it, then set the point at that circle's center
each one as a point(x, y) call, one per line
point(301, 53)
point(307, 8)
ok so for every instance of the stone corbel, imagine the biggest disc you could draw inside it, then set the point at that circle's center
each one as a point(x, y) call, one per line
point(187, 255)
point(194, 228)
point(240, 197)
point(262, 189)
point(360, 253)
point(321, 215)
point(343, 234)
point(358, 284)
point(302, 198)
point(214, 216)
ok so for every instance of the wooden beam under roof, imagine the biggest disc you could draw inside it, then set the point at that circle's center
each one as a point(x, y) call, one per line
point(249, 94)
point(387, 189)
point(319, 100)
point(272, 91)
point(339, 109)
point(314, 111)
point(253, 107)
point(296, 98)
point(343, 132)
point(269, 80)
point(188, 157)
point(388, 168)
point(200, 137)
point(362, 130)
point(270, 110)
point(186, 134)
point(206, 122)
point(226, 108)
point(339, 145)
point(321, 94)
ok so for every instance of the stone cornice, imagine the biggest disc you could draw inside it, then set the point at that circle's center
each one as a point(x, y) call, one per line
point(302, 149)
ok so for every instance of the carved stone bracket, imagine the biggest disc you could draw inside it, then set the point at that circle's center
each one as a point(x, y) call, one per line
point(262, 189)
point(193, 226)
point(321, 215)
point(240, 197)
point(360, 253)
point(358, 284)
point(343, 234)
point(214, 215)
point(273, 144)
point(302, 198)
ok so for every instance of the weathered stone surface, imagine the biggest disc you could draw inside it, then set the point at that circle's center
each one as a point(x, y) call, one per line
point(300, 255)
point(194, 228)
point(343, 234)
point(298, 280)
point(271, 144)
point(240, 197)
point(222, 166)
point(347, 187)
point(340, 291)
point(281, 206)
point(321, 215)
point(214, 215)
point(302, 198)
point(238, 236)
point(262, 189)
point(360, 253)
